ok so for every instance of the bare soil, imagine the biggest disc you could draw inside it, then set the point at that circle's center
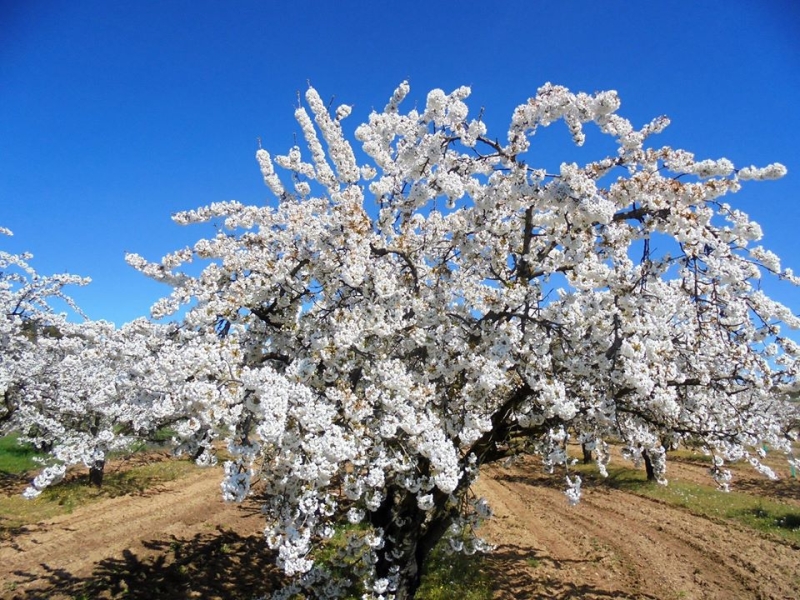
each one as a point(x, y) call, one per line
point(615, 544)
point(176, 541)
point(181, 541)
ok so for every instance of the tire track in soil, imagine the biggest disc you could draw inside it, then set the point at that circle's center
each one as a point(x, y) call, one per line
point(618, 545)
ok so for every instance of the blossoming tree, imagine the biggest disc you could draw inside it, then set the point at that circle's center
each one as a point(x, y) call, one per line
point(74, 390)
point(426, 301)
point(28, 319)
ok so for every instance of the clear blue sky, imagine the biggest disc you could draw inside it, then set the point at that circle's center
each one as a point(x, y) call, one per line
point(114, 115)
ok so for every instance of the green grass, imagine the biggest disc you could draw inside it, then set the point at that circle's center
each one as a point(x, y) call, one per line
point(446, 576)
point(763, 514)
point(157, 439)
point(691, 456)
point(532, 562)
point(450, 576)
point(135, 480)
point(18, 466)
point(767, 515)
point(16, 458)
point(16, 511)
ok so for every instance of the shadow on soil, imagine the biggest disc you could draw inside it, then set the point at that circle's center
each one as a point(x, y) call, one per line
point(215, 565)
point(516, 567)
point(786, 487)
point(13, 483)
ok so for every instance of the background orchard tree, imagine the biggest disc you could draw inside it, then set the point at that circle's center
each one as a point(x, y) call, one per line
point(29, 322)
point(70, 389)
point(109, 389)
point(388, 326)
point(91, 401)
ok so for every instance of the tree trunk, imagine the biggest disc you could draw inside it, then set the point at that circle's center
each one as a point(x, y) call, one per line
point(96, 473)
point(413, 540)
point(410, 577)
point(398, 507)
point(648, 466)
point(99, 464)
point(587, 455)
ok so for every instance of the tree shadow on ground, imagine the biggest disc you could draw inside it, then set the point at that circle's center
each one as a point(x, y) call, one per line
point(539, 478)
point(13, 483)
point(216, 565)
point(513, 570)
point(786, 488)
point(747, 480)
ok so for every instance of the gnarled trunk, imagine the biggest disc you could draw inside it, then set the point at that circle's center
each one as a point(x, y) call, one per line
point(96, 472)
point(587, 455)
point(648, 466)
point(98, 465)
point(408, 537)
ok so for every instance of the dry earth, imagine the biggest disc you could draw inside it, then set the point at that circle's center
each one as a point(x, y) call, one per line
point(618, 545)
point(180, 541)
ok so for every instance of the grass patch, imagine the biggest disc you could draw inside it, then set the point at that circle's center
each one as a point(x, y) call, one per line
point(446, 576)
point(762, 514)
point(756, 512)
point(451, 576)
point(156, 440)
point(60, 499)
point(772, 519)
point(690, 456)
point(532, 562)
point(16, 458)
point(18, 465)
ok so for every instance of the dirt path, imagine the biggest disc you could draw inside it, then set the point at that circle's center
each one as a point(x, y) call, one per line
point(181, 541)
point(618, 545)
point(139, 545)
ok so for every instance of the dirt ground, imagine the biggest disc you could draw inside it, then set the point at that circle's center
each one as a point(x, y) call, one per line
point(181, 541)
point(618, 545)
